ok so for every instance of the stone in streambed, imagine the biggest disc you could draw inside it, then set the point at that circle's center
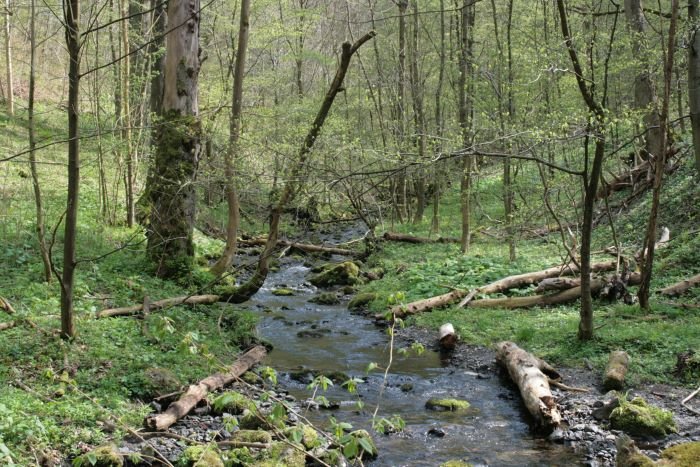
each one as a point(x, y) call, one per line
point(345, 273)
point(201, 456)
point(361, 300)
point(326, 298)
point(282, 454)
point(446, 404)
point(682, 455)
point(455, 463)
point(283, 292)
point(638, 418)
point(252, 436)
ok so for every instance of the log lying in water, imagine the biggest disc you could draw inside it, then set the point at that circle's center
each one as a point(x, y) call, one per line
point(166, 302)
point(199, 391)
point(397, 237)
point(681, 287)
point(501, 285)
point(527, 372)
point(615, 372)
point(597, 285)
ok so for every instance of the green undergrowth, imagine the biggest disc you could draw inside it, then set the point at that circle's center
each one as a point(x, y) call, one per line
point(653, 339)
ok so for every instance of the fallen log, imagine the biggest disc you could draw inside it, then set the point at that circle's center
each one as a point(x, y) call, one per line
point(597, 285)
point(679, 288)
point(9, 325)
point(615, 372)
point(166, 302)
point(306, 247)
point(6, 306)
point(448, 338)
point(557, 283)
point(527, 372)
point(501, 285)
point(397, 237)
point(197, 392)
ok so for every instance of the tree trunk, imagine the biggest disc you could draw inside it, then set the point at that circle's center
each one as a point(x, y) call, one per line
point(199, 391)
point(71, 20)
point(10, 97)
point(527, 372)
point(694, 77)
point(158, 67)
point(226, 260)
point(439, 124)
point(659, 164)
point(418, 118)
point(465, 68)
point(40, 224)
point(291, 187)
point(172, 190)
point(125, 70)
point(401, 112)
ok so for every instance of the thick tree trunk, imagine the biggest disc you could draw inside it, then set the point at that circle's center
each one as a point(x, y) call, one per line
point(165, 303)
point(40, 223)
point(418, 118)
point(694, 77)
point(401, 202)
point(679, 288)
point(615, 372)
point(199, 391)
point(125, 70)
point(71, 20)
point(527, 372)
point(234, 216)
point(172, 189)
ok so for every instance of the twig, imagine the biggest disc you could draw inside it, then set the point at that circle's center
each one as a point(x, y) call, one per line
point(563, 386)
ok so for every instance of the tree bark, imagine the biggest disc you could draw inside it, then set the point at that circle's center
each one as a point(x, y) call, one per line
point(679, 288)
point(38, 201)
point(172, 190)
point(125, 70)
point(694, 77)
point(199, 391)
point(234, 216)
point(71, 21)
point(527, 372)
point(418, 117)
point(10, 97)
point(165, 303)
point(465, 71)
point(659, 164)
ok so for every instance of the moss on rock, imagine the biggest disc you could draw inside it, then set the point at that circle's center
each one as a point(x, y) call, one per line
point(252, 436)
point(683, 455)
point(446, 404)
point(455, 463)
point(361, 300)
point(346, 273)
point(283, 292)
point(326, 298)
point(638, 418)
point(159, 381)
point(233, 402)
point(333, 457)
point(283, 455)
point(201, 456)
point(104, 456)
point(250, 420)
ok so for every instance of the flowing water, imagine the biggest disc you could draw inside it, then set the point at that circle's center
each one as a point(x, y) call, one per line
point(322, 338)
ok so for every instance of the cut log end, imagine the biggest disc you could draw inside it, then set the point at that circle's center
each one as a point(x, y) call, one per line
point(618, 363)
point(448, 338)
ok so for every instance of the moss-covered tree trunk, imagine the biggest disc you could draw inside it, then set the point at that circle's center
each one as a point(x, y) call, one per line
point(171, 189)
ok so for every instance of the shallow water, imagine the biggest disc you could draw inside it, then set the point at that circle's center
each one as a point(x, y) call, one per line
point(494, 431)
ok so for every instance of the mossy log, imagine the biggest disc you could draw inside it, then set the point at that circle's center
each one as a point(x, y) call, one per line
point(306, 247)
point(615, 372)
point(166, 302)
point(197, 392)
point(566, 296)
point(396, 237)
point(501, 285)
point(679, 288)
point(527, 372)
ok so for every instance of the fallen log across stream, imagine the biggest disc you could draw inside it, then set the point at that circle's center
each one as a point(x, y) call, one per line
point(501, 285)
point(166, 302)
point(199, 391)
point(306, 247)
point(528, 372)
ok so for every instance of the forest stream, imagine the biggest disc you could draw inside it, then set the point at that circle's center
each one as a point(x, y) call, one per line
point(309, 339)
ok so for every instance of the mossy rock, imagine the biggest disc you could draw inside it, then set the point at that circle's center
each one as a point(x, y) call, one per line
point(683, 455)
point(239, 457)
point(346, 273)
point(251, 377)
point(447, 404)
point(233, 402)
point(201, 456)
point(252, 436)
point(333, 457)
point(309, 436)
point(283, 455)
point(361, 300)
point(326, 298)
point(455, 463)
point(283, 292)
point(251, 420)
point(158, 382)
point(638, 418)
point(103, 456)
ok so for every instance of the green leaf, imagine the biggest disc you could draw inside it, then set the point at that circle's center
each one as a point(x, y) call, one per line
point(366, 445)
point(350, 449)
